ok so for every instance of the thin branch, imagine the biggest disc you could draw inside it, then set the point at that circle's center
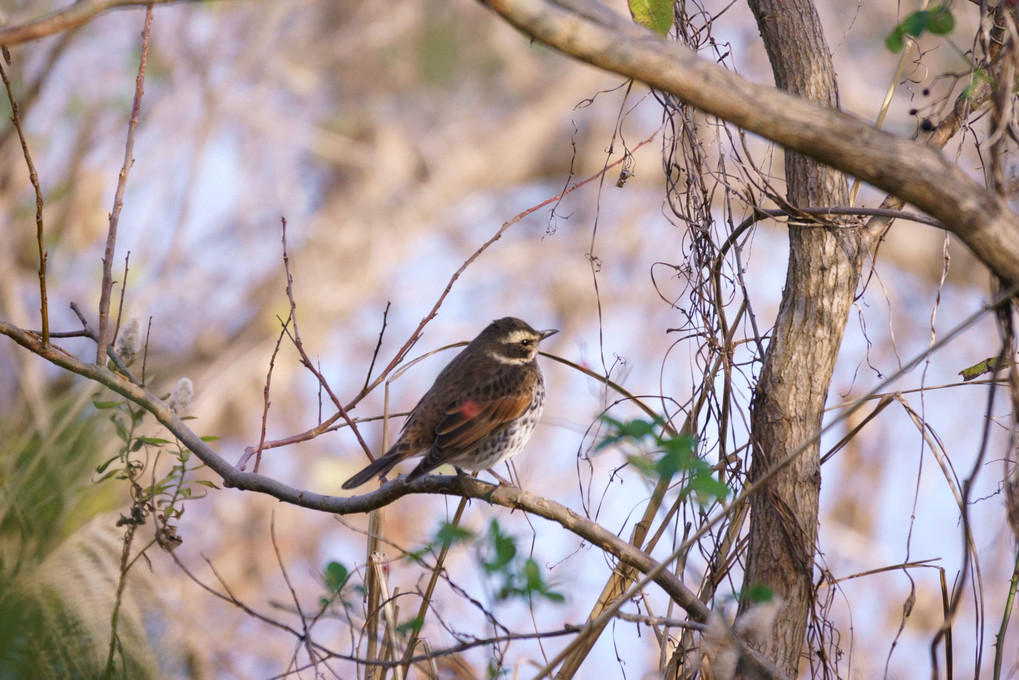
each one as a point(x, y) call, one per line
point(118, 197)
point(426, 596)
point(78, 14)
point(378, 346)
point(459, 486)
point(257, 452)
point(305, 629)
point(401, 354)
point(123, 293)
point(88, 332)
point(484, 246)
point(305, 359)
point(33, 177)
point(868, 212)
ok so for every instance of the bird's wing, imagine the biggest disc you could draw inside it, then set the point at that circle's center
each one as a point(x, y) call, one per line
point(468, 420)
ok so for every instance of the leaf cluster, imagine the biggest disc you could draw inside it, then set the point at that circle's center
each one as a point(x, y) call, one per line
point(936, 21)
point(520, 576)
point(663, 455)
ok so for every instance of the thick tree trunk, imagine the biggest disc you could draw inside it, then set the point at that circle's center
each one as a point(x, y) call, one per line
point(824, 265)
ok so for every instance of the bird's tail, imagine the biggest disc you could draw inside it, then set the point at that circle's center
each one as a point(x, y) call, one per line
point(376, 468)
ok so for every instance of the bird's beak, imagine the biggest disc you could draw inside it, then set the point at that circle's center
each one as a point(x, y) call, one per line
point(545, 334)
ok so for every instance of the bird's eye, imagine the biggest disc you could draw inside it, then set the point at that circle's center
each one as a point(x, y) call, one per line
point(527, 342)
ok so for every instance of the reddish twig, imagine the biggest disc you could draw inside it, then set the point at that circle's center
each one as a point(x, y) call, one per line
point(470, 260)
point(378, 345)
point(257, 452)
point(118, 198)
point(305, 359)
point(401, 354)
point(33, 177)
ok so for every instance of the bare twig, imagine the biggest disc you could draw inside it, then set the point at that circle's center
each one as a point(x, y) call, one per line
point(228, 597)
point(123, 292)
point(378, 346)
point(305, 629)
point(485, 246)
point(426, 596)
point(125, 555)
point(33, 177)
point(305, 359)
point(89, 332)
point(78, 14)
point(257, 452)
point(401, 354)
point(118, 197)
point(30, 95)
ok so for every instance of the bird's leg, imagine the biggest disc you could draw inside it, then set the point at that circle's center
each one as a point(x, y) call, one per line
point(499, 478)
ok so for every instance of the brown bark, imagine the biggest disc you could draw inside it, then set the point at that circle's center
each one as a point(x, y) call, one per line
point(824, 266)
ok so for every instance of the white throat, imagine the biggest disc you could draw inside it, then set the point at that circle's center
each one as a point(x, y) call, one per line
point(512, 361)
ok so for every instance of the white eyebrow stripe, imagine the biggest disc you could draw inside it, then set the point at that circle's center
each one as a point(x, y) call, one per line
point(518, 336)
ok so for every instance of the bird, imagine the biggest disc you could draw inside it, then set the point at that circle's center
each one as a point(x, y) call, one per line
point(481, 409)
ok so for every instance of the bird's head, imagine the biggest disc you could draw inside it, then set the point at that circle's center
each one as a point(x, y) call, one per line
point(511, 341)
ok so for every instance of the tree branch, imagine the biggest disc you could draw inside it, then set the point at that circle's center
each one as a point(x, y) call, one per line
point(592, 33)
point(78, 14)
point(118, 198)
point(467, 487)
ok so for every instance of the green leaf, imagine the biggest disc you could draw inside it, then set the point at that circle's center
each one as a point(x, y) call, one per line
point(658, 15)
point(102, 405)
point(101, 468)
point(532, 572)
point(644, 465)
point(637, 429)
point(412, 626)
point(895, 40)
point(112, 473)
point(937, 21)
point(916, 23)
point(154, 441)
point(979, 78)
point(209, 438)
point(554, 596)
point(504, 547)
point(707, 489)
point(988, 365)
point(122, 432)
point(450, 534)
point(679, 455)
point(683, 445)
point(940, 21)
point(668, 465)
point(336, 575)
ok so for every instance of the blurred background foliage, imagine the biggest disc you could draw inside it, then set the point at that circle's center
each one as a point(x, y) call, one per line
point(60, 550)
point(395, 138)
